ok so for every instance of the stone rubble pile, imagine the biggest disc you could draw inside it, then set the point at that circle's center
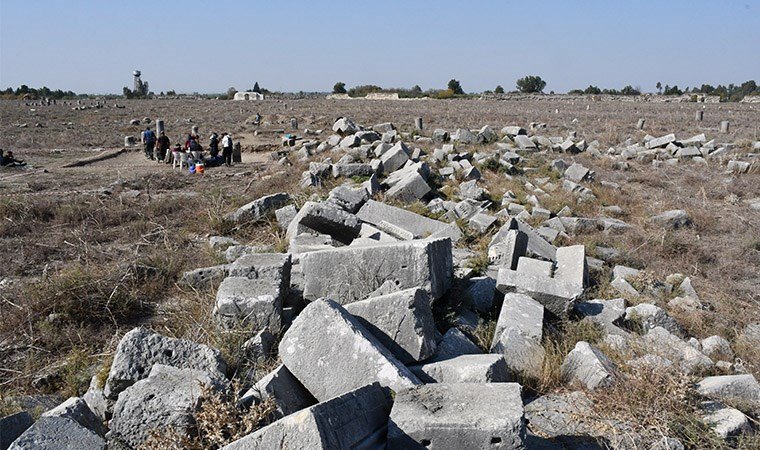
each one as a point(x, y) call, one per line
point(365, 362)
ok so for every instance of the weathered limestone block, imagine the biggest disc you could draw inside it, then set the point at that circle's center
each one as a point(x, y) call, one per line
point(140, 349)
point(557, 293)
point(288, 394)
point(325, 218)
point(55, 433)
point(464, 369)
point(166, 398)
point(260, 208)
point(458, 415)
point(402, 321)
point(587, 366)
point(420, 226)
point(354, 420)
point(349, 274)
point(331, 353)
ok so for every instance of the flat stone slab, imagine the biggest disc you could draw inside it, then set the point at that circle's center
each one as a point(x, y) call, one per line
point(562, 414)
point(374, 212)
point(402, 321)
point(741, 391)
point(331, 353)
point(141, 348)
point(325, 218)
point(349, 274)
point(354, 420)
point(458, 416)
point(486, 368)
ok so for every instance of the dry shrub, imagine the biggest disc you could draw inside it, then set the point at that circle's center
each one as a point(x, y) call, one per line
point(218, 422)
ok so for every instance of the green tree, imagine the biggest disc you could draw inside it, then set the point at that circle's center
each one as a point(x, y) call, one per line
point(455, 87)
point(531, 84)
point(630, 90)
point(659, 87)
point(231, 93)
point(339, 88)
point(416, 90)
point(256, 87)
point(594, 90)
point(498, 90)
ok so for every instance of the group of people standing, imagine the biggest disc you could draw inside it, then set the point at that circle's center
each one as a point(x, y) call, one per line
point(159, 149)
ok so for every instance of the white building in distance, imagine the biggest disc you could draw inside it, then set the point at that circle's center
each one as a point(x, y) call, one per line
point(248, 96)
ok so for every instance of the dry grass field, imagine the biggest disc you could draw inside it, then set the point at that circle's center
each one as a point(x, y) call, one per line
point(87, 253)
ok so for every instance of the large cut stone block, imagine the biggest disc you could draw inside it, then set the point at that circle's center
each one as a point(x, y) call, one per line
point(741, 391)
point(331, 353)
point(402, 321)
point(12, 426)
point(166, 398)
point(556, 294)
point(409, 189)
point(325, 218)
point(458, 416)
point(260, 208)
point(537, 246)
point(140, 349)
point(246, 301)
point(395, 158)
point(355, 420)
point(254, 291)
point(350, 274)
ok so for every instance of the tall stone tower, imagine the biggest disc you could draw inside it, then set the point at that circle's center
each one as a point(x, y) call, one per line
point(138, 81)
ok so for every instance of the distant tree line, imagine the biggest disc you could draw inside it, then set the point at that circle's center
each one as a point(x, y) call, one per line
point(594, 90)
point(43, 92)
point(453, 89)
point(527, 84)
point(730, 93)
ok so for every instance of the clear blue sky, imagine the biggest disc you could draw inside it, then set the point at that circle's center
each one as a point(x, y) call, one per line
point(207, 46)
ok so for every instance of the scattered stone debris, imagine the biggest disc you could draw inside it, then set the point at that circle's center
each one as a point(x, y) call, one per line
point(354, 300)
